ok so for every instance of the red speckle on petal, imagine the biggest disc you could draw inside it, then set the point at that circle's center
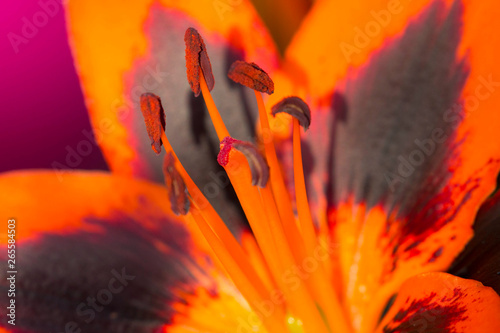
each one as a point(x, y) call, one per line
point(428, 315)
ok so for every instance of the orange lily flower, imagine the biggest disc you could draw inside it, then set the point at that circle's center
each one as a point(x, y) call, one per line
point(354, 224)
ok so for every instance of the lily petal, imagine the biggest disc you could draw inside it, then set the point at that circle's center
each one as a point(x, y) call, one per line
point(321, 61)
point(439, 302)
point(321, 65)
point(123, 50)
point(406, 180)
point(105, 253)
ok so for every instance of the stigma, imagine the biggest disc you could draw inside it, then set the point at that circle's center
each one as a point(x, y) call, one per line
point(284, 231)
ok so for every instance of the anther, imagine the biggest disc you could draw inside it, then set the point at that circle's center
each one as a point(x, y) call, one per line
point(177, 191)
point(154, 116)
point(196, 58)
point(258, 166)
point(295, 107)
point(251, 76)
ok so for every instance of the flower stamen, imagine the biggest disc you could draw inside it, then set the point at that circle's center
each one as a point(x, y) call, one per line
point(278, 186)
point(281, 220)
point(154, 116)
point(205, 209)
point(290, 106)
point(176, 188)
point(321, 288)
point(258, 166)
point(224, 239)
point(295, 107)
point(299, 298)
point(219, 125)
point(252, 76)
point(229, 251)
point(197, 61)
point(275, 321)
point(239, 74)
point(263, 217)
point(201, 78)
point(283, 242)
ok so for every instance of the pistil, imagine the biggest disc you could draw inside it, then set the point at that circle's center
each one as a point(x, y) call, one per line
point(266, 226)
point(216, 223)
point(227, 249)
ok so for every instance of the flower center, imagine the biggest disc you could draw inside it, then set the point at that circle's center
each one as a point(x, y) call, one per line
point(307, 301)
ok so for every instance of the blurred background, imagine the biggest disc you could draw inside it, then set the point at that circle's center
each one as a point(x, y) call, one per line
point(43, 113)
point(43, 117)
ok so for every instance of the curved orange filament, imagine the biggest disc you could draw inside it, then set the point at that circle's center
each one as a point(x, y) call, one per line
point(217, 224)
point(257, 260)
point(219, 125)
point(239, 174)
point(322, 288)
point(318, 283)
point(280, 191)
point(301, 296)
point(306, 222)
point(275, 321)
point(265, 222)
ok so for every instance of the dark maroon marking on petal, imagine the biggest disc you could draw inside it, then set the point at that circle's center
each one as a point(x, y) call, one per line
point(446, 215)
point(412, 246)
point(295, 107)
point(60, 272)
point(258, 165)
point(154, 116)
point(427, 315)
point(436, 254)
point(196, 58)
point(176, 188)
point(388, 306)
point(480, 260)
point(252, 76)
point(441, 209)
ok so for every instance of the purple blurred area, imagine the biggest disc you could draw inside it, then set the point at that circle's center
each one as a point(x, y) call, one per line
point(43, 116)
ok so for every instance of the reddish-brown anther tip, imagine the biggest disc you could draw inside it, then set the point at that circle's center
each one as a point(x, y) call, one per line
point(154, 116)
point(251, 76)
point(196, 58)
point(295, 107)
point(176, 188)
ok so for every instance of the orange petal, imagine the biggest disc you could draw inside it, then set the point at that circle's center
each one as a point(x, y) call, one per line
point(123, 50)
point(405, 194)
point(378, 253)
point(334, 36)
point(439, 302)
point(338, 35)
point(105, 252)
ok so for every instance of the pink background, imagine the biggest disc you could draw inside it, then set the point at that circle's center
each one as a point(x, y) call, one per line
point(42, 109)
